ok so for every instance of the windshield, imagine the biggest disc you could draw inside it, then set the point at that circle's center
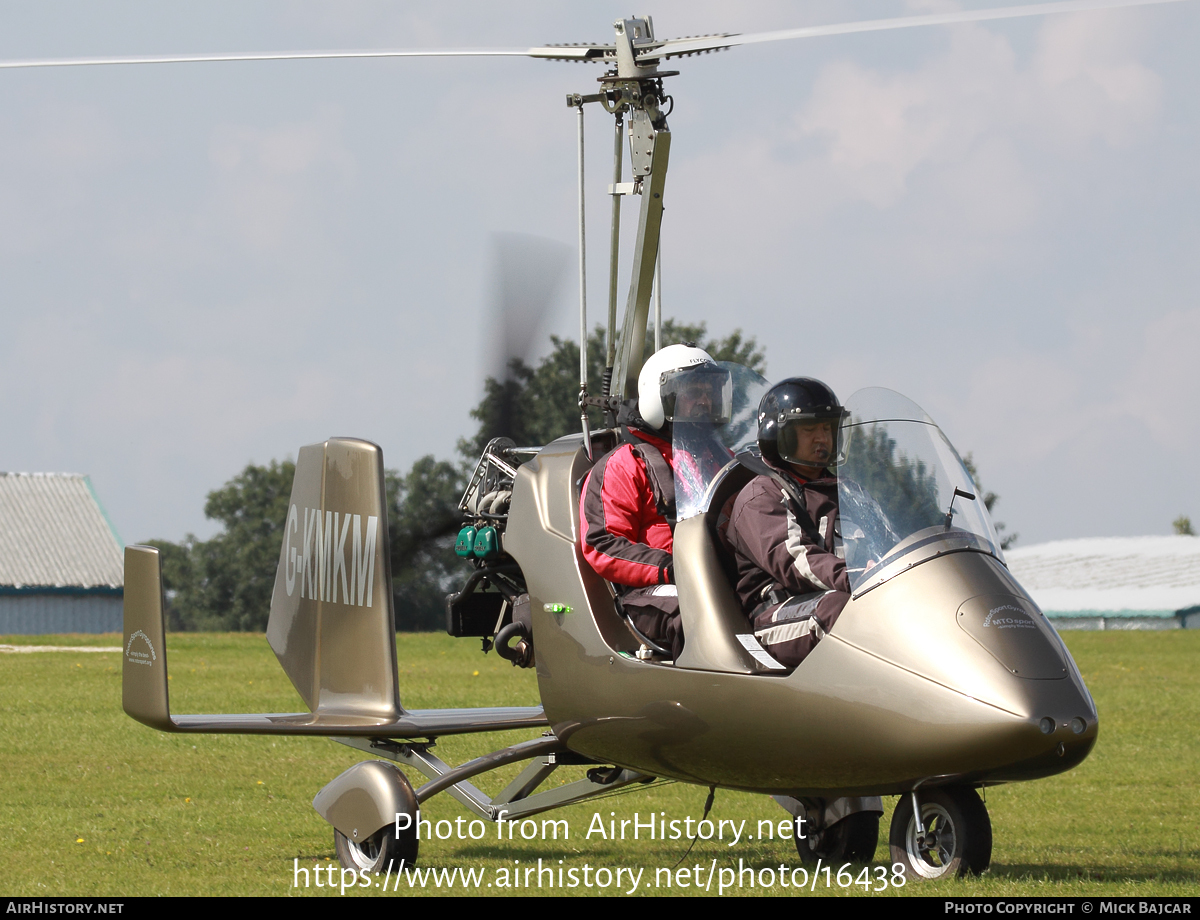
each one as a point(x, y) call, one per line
point(700, 450)
point(904, 493)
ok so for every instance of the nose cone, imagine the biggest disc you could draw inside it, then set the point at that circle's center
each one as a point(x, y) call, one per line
point(961, 622)
point(1063, 744)
point(1054, 730)
point(1020, 639)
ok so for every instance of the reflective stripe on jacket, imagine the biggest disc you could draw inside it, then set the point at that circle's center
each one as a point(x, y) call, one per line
point(773, 550)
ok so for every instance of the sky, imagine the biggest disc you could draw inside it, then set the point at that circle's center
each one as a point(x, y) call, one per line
point(209, 265)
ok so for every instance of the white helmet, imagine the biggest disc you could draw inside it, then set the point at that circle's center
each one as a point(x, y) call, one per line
point(674, 371)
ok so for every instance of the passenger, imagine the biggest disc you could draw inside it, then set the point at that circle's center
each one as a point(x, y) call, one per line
point(627, 507)
point(791, 573)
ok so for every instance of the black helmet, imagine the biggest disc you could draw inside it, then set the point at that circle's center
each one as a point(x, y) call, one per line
point(790, 404)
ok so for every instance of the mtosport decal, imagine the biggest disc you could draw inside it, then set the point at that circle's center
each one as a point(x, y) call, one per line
point(138, 649)
point(997, 618)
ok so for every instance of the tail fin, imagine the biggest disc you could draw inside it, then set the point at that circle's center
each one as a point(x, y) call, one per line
point(144, 671)
point(332, 625)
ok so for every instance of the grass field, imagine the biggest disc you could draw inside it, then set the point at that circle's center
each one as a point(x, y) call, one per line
point(95, 804)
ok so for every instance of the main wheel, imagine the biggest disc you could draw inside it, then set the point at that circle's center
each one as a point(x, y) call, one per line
point(853, 839)
point(957, 839)
point(377, 852)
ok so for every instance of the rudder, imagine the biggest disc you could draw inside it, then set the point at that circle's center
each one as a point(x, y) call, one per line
point(332, 624)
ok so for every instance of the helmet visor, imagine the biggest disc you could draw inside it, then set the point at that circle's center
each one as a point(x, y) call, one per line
point(701, 393)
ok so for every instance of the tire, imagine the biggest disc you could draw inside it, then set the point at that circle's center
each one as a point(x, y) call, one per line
point(853, 839)
point(377, 852)
point(961, 833)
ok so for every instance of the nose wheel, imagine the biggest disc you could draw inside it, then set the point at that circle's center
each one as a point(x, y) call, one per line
point(955, 837)
point(853, 839)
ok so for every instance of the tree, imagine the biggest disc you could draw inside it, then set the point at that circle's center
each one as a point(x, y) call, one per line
point(423, 519)
point(1183, 526)
point(226, 583)
point(536, 405)
point(904, 488)
point(989, 500)
point(734, 347)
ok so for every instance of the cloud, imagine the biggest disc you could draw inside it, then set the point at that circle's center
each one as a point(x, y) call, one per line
point(49, 155)
point(1085, 84)
point(264, 181)
point(1104, 387)
point(960, 162)
point(877, 130)
point(1159, 384)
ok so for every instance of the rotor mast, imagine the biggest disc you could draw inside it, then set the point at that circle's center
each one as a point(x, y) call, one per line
point(633, 93)
point(639, 89)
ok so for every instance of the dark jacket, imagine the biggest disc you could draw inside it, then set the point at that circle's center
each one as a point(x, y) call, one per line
point(774, 548)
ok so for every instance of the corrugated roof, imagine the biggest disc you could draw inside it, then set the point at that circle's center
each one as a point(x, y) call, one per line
point(53, 532)
point(1111, 573)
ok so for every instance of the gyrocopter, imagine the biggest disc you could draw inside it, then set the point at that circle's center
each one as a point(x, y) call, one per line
point(941, 677)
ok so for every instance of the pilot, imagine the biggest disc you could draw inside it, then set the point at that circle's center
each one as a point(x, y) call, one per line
point(781, 529)
point(627, 508)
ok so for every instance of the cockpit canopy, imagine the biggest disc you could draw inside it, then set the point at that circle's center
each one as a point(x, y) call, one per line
point(903, 490)
point(701, 450)
point(904, 494)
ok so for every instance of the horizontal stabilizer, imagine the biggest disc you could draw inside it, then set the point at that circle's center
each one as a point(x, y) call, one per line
point(420, 723)
point(144, 684)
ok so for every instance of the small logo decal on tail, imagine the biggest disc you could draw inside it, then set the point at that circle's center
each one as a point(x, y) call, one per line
point(143, 652)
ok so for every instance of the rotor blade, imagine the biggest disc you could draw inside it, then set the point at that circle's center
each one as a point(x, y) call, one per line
point(677, 47)
point(527, 273)
point(550, 52)
point(684, 46)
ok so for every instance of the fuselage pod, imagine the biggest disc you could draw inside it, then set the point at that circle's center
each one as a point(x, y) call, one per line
point(941, 669)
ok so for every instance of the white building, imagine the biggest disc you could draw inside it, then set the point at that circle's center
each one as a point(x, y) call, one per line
point(1113, 582)
point(61, 561)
